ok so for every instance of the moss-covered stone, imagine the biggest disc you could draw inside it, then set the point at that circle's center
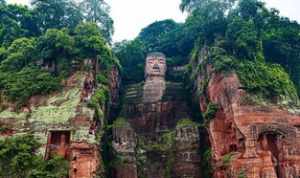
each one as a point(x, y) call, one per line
point(120, 123)
point(54, 113)
point(6, 114)
point(186, 123)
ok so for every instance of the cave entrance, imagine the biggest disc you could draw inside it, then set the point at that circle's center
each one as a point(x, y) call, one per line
point(269, 142)
point(58, 144)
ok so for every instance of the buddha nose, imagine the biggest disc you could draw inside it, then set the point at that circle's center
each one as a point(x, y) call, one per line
point(156, 66)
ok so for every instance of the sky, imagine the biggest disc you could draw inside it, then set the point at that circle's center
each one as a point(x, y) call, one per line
point(130, 16)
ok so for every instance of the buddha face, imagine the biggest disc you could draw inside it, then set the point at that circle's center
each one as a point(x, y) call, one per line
point(155, 66)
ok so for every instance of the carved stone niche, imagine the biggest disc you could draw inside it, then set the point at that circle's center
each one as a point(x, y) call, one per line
point(187, 145)
point(187, 134)
point(58, 144)
point(124, 140)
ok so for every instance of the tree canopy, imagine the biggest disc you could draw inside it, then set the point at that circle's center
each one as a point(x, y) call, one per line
point(40, 44)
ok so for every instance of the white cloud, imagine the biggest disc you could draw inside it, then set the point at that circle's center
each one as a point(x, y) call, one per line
point(131, 16)
point(25, 2)
point(288, 8)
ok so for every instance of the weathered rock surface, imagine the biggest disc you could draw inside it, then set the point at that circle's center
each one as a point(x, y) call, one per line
point(248, 140)
point(64, 124)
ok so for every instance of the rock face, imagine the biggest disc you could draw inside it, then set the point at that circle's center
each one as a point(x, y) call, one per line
point(146, 138)
point(64, 124)
point(248, 140)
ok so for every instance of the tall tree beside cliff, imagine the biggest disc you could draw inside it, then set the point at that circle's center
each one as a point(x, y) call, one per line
point(16, 21)
point(97, 11)
point(90, 42)
point(191, 5)
point(132, 56)
point(56, 49)
point(56, 14)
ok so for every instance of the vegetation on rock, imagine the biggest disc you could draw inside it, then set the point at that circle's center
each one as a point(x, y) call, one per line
point(18, 159)
point(211, 111)
point(40, 44)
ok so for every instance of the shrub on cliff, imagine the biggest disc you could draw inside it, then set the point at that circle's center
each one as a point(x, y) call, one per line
point(210, 112)
point(29, 81)
point(270, 80)
point(18, 159)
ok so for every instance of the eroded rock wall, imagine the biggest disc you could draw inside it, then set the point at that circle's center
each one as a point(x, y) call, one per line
point(247, 140)
point(65, 124)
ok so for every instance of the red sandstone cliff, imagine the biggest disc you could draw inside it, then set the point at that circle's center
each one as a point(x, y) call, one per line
point(248, 140)
point(65, 124)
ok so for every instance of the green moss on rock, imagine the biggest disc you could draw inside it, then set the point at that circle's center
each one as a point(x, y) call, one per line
point(15, 115)
point(120, 123)
point(60, 108)
point(186, 123)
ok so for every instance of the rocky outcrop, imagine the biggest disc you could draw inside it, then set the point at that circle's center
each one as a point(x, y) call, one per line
point(65, 124)
point(248, 140)
point(148, 142)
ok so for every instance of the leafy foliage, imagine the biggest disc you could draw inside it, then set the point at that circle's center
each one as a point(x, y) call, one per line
point(15, 22)
point(56, 47)
point(153, 36)
point(132, 56)
point(56, 14)
point(227, 159)
point(120, 122)
point(20, 53)
point(27, 82)
point(99, 100)
point(269, 80)
point(89, 40)
point(98, 12)
point(206, 163)
point(211, 111)
point(186, 123)
point(18, 159)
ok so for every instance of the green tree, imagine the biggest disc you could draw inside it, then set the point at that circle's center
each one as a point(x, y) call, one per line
point(97, 11)
point(56, 14)
point(18, 159)
point(20, 86)
point(56, 167)
point(20, 53)
point(191, 5)
point(91, 43)
point(243, 40)
point(56, 47)
point(132, 56)
point(16, 21)
point(153, 34)
point(3, 54)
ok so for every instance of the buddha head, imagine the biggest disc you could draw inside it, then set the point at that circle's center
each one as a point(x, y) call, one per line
point(155, 65)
